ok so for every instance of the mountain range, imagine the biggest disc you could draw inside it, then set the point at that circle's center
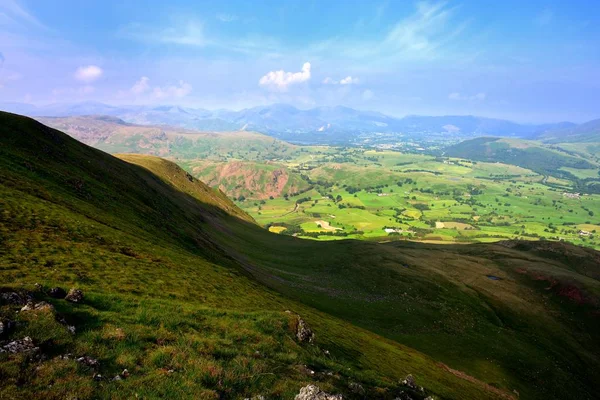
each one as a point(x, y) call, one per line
point(320, 125)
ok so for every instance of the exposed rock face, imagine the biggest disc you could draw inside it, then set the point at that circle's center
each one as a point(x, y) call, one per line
point(312, 392)
point(303, 332)
point(24, 345)
point(41, 306)
point(74, 296)
point(57, 293)
point(15, 298)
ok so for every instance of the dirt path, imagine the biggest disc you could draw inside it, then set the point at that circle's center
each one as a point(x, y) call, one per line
point(325, 225)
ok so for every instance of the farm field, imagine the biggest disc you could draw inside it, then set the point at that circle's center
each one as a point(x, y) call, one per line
point(387, 195)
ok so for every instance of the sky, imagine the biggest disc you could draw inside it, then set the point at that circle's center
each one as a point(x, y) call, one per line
point(534, 61)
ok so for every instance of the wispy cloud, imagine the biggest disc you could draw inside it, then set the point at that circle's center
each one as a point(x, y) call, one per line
point(181, 89)
point(281, 79)
point(424, 34)
point(12, 11)
point(141, 86)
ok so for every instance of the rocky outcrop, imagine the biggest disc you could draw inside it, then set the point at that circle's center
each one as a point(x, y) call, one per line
point(41, 306)
point(74, 296)
point(312, 392)
point(303, 332)
point(25, 346)
point(14, 298)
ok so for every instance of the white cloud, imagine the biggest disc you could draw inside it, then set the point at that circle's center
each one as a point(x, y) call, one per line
point(349, 81)
point(345, 81)
point(282, 79)
point(88, 73)
point(182, 89)
point(461, 97)
point(141, 86)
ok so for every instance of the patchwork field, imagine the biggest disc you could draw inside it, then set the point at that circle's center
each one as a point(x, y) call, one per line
point(369, 194)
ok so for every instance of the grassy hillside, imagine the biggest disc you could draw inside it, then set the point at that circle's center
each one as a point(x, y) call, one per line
point(115, 136)
point(526, 154)
point(170, 273)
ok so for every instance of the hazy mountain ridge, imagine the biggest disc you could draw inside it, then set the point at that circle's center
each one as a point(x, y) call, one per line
point(317, 125)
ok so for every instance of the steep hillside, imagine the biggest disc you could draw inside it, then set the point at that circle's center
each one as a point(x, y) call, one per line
point(248, 179)
point(170, 278)
point(162, 299)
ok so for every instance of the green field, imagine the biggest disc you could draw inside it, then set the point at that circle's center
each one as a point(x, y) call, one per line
point(390, 195)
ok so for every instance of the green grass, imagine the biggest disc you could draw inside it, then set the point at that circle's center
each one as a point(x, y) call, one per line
point(176, 277)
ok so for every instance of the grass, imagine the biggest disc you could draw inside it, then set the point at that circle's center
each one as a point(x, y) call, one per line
point(176, 278)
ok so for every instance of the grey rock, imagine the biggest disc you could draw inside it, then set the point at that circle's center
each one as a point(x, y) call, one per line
point(24, 345)
point(88, 362)
point(74, 296)
point(410, 382)
point(356, 388)
point(312, 392)
point(303, 332)
point(41, 306)
point(57, 293)
point(14, 298)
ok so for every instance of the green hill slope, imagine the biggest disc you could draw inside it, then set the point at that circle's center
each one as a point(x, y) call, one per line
point(169, 268)
point(526, 154)
point(116, 136)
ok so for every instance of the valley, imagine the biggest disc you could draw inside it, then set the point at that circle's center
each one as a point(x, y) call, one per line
point(465, 193)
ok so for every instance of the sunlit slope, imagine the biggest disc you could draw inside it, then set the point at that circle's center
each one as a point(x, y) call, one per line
point(152, 252)
point(163, 297)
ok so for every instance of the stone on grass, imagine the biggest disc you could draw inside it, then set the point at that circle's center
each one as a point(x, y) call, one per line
point(74, 296)
point(57, 293)
point(41, 306)
point(303, 332)
point(312, 392)
point(24, 345)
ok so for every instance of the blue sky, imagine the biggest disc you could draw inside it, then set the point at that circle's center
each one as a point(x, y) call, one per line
point(532, 61)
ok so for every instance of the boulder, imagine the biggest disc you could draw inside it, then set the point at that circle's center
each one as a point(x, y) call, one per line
point(356, 388)
point(15, 298)
point(57, 293)
point(312, 392)
point(24, 345)
point(41, 306)
point(303, 332)
point(74, 296)
point(409, 381)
